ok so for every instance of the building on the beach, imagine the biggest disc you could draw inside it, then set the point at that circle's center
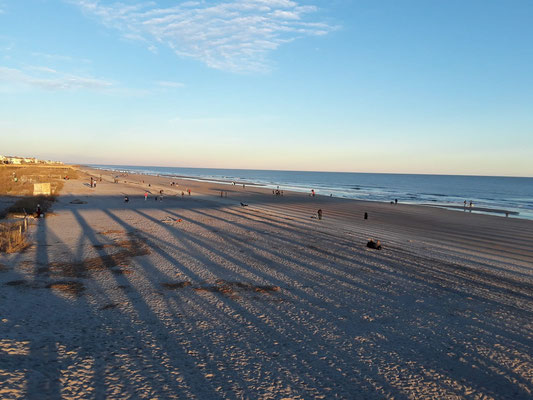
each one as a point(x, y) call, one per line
point(12, 160)
point(15, 160)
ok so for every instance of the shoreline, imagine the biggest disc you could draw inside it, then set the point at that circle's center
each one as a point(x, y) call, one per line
point(301, 189)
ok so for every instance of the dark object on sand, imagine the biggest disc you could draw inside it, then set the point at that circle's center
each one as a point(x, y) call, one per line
point(126, 199)
point(319, 212)
point(374, 245)
point(366, 215)
point(244, 205)
point(78, 201)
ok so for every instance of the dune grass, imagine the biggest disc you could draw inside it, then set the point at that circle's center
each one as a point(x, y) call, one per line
point(13, 237)
point(27, 175)
point(12, 234)
point(27, 206)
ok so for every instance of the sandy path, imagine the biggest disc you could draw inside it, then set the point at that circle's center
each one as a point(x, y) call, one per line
point(120, 300)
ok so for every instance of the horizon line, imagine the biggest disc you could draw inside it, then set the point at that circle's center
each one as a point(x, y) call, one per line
point(313, 171)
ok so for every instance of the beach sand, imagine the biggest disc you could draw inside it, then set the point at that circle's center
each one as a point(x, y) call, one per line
point(199, 297)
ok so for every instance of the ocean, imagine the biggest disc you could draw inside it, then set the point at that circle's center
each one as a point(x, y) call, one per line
point(512, 194)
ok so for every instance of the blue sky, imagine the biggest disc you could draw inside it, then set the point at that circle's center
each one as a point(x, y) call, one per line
point(365, 86)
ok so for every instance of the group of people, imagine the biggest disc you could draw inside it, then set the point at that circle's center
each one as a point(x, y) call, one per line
point(157, 196)
point(470, 205)
point(93, 181)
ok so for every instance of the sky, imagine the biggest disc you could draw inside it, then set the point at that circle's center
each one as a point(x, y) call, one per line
point(401, 86)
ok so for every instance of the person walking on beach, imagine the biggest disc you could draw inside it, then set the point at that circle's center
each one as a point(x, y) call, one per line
point(145, 196)
point(189, 191)
point(38, 211)
point(319, 212)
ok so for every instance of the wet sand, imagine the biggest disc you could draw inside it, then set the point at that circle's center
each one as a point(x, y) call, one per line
point(198, 297)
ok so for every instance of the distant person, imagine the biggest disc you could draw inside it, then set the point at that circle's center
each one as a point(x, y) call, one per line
point(313, 192)
point(244, 187)
point(189, 191)
point(471, 204)
point(145, 196)
point(319, 212)
point(38, 211)
point(464, 204)
point(366, 215)
point(126, 199)
point(395, 201)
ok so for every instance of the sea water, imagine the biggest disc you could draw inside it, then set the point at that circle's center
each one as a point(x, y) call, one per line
point(513, 194)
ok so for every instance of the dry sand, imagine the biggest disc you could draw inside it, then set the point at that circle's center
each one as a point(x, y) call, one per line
point(198, 297)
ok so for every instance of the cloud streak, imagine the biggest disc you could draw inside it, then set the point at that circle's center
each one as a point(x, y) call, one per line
point(49, 79)
point(170, 84)
point(233, 35)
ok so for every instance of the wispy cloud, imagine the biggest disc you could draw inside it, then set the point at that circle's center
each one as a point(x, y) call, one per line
point(49, 79)
point(169, 84)
point(232, 35)
point(59, 58)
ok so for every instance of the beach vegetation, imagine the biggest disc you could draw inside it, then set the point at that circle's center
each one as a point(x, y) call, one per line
point(17, 183)
point(13, 236)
